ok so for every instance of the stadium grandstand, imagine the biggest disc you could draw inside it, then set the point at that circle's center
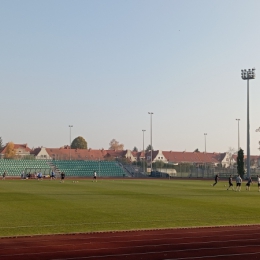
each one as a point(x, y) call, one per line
point(14, 168)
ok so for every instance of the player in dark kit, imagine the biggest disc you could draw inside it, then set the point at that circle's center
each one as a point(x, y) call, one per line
point(230, 182)
point(62, 177)
point(249, 183)
point(3, 176)
point(216, 180)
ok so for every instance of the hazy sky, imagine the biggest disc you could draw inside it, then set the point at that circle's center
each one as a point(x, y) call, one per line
point(103, 65)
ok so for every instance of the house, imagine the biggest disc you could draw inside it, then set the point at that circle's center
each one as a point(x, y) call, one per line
point(196, 158)
point(65, 153)
point(139, 156)
point(254, 161)
point(227, 160)
point(40, 153)
point(156, 156)
point(21, 150)
point(120, 154)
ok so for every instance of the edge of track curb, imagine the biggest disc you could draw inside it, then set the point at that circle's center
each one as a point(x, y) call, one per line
point(128, 231)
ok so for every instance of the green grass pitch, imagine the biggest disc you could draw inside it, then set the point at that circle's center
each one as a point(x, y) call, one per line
point(31, 207)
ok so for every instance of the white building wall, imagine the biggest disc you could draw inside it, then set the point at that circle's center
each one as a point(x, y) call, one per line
point(43, 155)
point(160, 157)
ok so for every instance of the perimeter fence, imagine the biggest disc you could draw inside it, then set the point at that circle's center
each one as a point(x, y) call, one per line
point(191, 171)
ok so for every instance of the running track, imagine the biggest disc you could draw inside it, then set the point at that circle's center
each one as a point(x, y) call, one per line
point(238, 242)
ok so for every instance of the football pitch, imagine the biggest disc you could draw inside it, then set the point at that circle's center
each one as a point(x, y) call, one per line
point(31, 207)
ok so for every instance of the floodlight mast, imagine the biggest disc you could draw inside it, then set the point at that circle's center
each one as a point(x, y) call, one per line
point(143, 152)
point(258, 130)
point(238, 138)
point(205, 135)
point(70, 139)
point(247, 75)
point(151, 128)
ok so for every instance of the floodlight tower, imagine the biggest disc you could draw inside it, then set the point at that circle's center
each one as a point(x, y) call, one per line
point(258, 130)
point(70, 139)
point(143, 152)
point(151, 128)
point(247, 75)
point(205, 136)
point(238, 148)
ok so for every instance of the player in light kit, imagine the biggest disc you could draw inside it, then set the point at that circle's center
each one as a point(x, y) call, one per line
point(238, 181)
point(94, 176)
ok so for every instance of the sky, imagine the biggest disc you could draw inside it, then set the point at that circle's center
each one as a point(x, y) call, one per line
point(101, 66)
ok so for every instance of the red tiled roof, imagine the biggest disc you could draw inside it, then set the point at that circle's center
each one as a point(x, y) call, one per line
point(35, 151)
point(191, 157)
point(139, 154)
point(252, 157)
point(154, 154)
point(115, 153)
point(18, 146)
point(75, 154)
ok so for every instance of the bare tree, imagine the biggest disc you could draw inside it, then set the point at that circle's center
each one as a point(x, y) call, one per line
point(1, 144)
point(115, 145)
point(231, 152)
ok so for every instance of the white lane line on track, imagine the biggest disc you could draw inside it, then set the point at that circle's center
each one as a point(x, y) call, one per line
point(212, 256)
point(162, 252)
point(142, 246)
point(129, 241)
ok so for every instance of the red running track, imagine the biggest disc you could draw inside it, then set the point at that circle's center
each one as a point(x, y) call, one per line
point(238, 242)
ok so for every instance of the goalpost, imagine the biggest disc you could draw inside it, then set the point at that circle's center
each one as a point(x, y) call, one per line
point(32, 172)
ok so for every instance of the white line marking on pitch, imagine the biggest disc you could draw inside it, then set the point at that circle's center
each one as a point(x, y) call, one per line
point(120, 222)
